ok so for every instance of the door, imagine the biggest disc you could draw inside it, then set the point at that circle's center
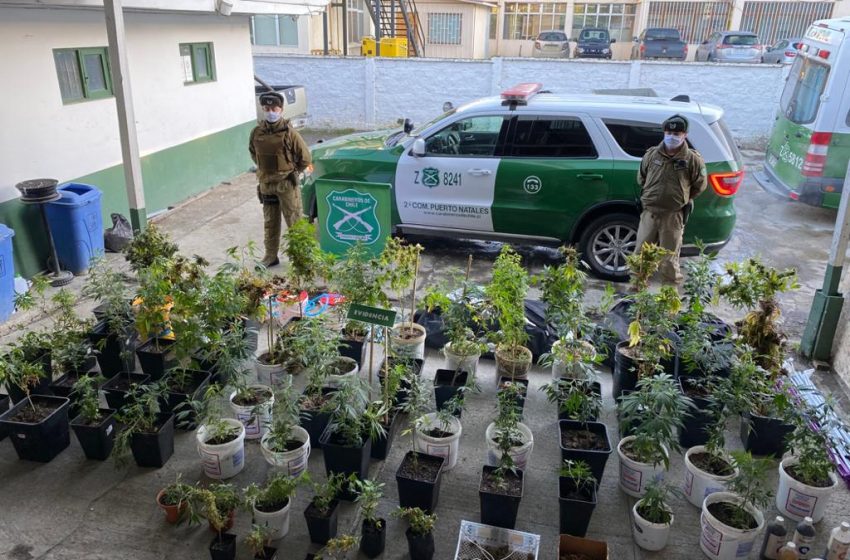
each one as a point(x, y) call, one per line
point(553, 168)
point(452, 184)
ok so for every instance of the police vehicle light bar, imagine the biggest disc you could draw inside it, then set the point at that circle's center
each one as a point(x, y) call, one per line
point(521, 93)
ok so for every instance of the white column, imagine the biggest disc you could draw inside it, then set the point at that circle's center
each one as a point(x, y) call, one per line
point(737, 14)
point(369, 94)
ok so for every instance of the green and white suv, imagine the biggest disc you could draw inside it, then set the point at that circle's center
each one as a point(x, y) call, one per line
point(537, 168)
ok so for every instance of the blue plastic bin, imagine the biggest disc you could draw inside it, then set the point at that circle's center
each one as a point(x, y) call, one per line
point(7, 273)
point(77, 226)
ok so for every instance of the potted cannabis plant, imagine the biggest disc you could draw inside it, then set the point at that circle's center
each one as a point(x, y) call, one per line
point(506, 300)
point(373, 532)
point(220, 440)
point(390, 384)
point(732, 521)
point(577, 489)
point(271, 503)
point(177, 501)
point(581, 437)
point(218, 504)
point(400, 266)
point(576, 399)
point(258, 540)
point(420, 532)
point(507, 434)
point(321, 513)
point(95, 427)
point(286, 444)
point(438, 433)
point(652, 414)
point(501, 487)
point(147, 432)
point(25, 367)
point(652, 517)
point(184, 384)
point(153, 305)
point(252, 403)
point(149, 246)
point(69, 345)
point(308, 264)
point(336, 548)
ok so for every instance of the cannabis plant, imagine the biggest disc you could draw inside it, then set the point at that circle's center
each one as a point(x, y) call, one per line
point(109, 288)
point(653, 506)
point(352, 420)
point(338, 548)
point(811, 447)
point(307, 262)
point(507, 434)
point(506, 296)
point(575, 398)
point(257, 540)
point(418, 399)
point(750, 485)
point(147, 247)
point(644, 263)
point(653, 319)
point(751, 389)
point(274, 494)
point(562, 290)
point(324, 494)
point(357, 277)
point(285, 416)
point(459, 302)
point(369, 494)
point(579, 474)
point(138, 416)
point(399, 264)
point(421, 523)
point(85, 395)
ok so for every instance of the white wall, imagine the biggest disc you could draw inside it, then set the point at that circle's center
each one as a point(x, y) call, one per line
point(368, 93)
point(42, 137)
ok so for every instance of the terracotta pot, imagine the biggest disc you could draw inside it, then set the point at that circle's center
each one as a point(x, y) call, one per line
point(172, 513)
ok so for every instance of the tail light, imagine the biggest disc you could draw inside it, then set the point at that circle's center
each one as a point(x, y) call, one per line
point(790, 53)
point(686, 48)
point(815, 160)
point(797, 45)
point(537, 45)
point(726, 184)
point(642, 49)
point(722, 46)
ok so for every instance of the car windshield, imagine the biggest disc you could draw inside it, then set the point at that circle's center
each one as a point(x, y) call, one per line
point(801, 97)
point(552, 36)
point(594, 35)
point(744, 40)
point(662, 35)
point(419, 129)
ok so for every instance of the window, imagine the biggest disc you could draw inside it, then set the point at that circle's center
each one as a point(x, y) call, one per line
point(801, 97)
point(444, 29)
point(198, 62)
point(695, 20)
point(540, 137)
point(494, 22)
point(618, 19)
point(635, 138)
point(526, 21)
point(83, 74)
point(778, 20)
point(274, 31)
point(357, 26)
point(741, 40)
point(476, 136)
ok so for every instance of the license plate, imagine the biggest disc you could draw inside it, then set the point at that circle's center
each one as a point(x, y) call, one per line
point(772, 160)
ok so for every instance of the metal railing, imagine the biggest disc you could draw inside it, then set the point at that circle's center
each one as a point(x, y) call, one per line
point(694, 20)
point(779, 20)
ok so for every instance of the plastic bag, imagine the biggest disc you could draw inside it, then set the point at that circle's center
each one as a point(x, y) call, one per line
point(119, 235)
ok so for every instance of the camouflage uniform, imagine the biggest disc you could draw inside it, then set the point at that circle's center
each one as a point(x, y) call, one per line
point(280, 154)
point(668, 183)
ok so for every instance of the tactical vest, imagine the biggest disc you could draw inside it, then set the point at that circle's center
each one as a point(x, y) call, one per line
point(273, 148)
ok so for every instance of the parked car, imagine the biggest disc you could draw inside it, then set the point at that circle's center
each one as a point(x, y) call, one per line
point(659, 42)
point(552, 44)
point(542, 169)
point(294, 106)
point(731, 46)
point(784, 51)
point(594, 43)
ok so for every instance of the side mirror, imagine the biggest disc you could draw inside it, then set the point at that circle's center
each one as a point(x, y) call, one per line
point(447, 106)
point(418, 147)
point(408, 126)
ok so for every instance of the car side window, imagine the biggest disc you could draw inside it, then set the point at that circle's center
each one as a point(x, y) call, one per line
point(633, 137)
point(561, 137)
point(779, 45)
point(473, 136)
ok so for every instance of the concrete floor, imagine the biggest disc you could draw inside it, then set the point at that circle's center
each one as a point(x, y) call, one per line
point(72, 508)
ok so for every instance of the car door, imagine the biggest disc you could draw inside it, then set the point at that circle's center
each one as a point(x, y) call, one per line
point(705, 47)
point(552, 169)
point(452, 184)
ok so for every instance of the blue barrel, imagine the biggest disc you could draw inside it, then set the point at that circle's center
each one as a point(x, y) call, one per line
point(7, 273)
point(77, 226)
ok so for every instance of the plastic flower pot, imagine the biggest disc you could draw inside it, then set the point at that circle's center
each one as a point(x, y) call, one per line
point(156, 357)
point(762, 435)
point(321, 526)
point(597, 456)
point(515, 367)
point(499, 507)
point(172, 512)
point(348, 368)
point(447, 384)
point(698, 483)
point(694, 425)
point(293, 462)
point(408, 339)
point(38, 436)
point(595, 388)
point(625, 373)
point(437, 445)
point(275, 520)
point(107, 347)
point(521, 454)
point(635, 475)
point(460, 362)
point(256, 417)
point(117, 388)
point(576, 506)
point(223, 547)
point(373, 539)
point(796, 500)
point(153, 450)
point(268, 373)
point(345, 459)
point(97, 440)
point(648, 535)
point(381, 446)
point(420, 547)
point(222, 460)
point(315, 421)
point(176, 396)
point(419, 481)
point(720, 541)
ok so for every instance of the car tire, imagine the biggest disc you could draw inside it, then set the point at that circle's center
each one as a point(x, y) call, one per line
point(611, 236)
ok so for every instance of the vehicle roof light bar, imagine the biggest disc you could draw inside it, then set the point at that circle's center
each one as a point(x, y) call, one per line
point(521, 93)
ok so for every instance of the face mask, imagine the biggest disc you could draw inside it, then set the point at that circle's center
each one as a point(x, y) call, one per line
point(272, 116)
point(672, 141)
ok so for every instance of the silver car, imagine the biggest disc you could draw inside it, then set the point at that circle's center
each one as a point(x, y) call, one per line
point(553, 44)
point(784, 51)
point(731, 46)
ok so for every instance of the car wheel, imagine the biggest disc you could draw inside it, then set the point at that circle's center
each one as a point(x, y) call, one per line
point(606, 242)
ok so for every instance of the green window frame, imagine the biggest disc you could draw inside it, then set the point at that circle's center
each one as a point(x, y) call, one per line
point(83, 74)
point(198, 63)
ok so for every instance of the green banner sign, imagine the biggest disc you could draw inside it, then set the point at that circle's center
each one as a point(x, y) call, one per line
point(352, 212)
point(372, 315)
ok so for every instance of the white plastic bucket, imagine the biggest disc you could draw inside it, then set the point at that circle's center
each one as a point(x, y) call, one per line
point(647, 535)
point(254, 418)
point(335, 380)
point(797, 500)
point(521, 455)
point(635, 476)
point(277, 522)
point(269, 373)
point(448, 448)
point(411, 347)
point(292, 462)
point(721, 542)
point(698, 484)
point(456, 362)
point(224, 460)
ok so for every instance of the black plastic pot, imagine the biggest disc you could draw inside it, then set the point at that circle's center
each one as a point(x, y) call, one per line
point(63, 386)
point(4, 406)
point(269, 553)
point(381, 446)
point(499, 510)
point(176, 397)
point(447, 384)
point(97, 441)
point(762, 435)
point(694, 424)
point(595, 388)
point(423, 494)
point(404, 386)
point(625, 370)
point(596, 459)
point(321, 528)
point(353, 349)
point(315, 422)
point(107, 348)
point(43, 440)
point(519, 401)
point(373, 539)
point(116, 395)
point(345, 459)
point(153, 450)
point(420, 547)
point(156, 361)
point(605, 342)
point(223, 547)
point(575, 514)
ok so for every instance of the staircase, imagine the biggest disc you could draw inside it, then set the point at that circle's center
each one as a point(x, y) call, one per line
point(398, 18)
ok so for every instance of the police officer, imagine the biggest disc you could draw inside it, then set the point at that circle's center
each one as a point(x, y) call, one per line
point(280, 154)
point(671, 175)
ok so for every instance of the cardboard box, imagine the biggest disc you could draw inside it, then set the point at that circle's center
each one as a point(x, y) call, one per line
point(594, 550)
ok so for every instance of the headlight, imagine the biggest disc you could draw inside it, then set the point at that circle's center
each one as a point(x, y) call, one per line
point(605, 51)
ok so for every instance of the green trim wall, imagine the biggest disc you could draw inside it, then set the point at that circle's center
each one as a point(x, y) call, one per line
point(170, 176)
